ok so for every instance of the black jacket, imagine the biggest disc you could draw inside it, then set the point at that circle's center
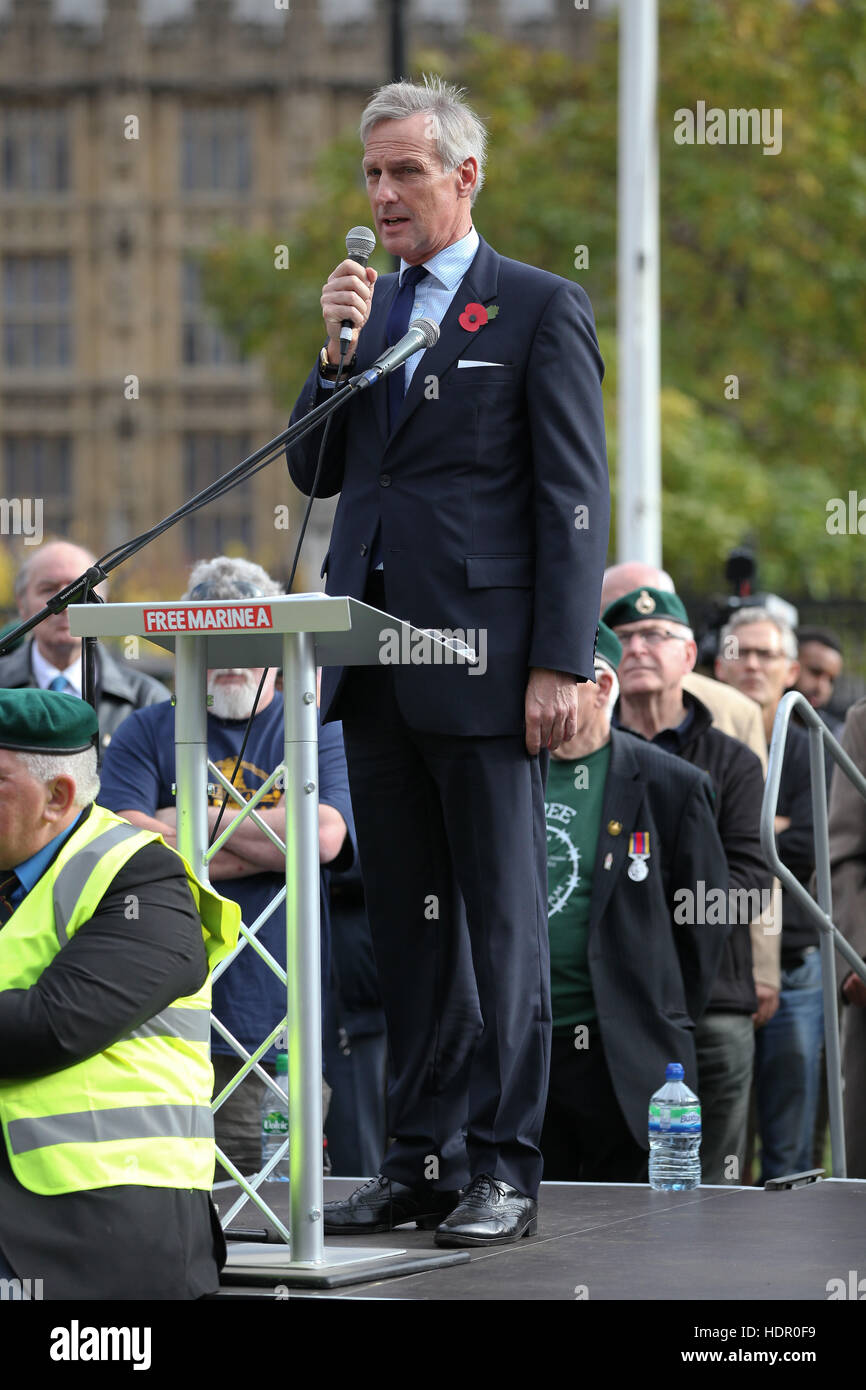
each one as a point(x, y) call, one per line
point(796, 844)
point(119, 689)
point(651, 975)
point(475, 490)
point(738, 787)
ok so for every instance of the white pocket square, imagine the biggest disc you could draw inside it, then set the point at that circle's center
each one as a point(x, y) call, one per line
point(464, 363)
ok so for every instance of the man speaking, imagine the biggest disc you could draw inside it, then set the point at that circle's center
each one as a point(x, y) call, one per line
point(474, 497)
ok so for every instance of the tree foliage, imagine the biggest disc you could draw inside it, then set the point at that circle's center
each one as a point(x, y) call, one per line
point(762, 263)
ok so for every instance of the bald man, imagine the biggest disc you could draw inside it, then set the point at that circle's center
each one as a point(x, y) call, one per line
point(51, 657)
point(740, 719)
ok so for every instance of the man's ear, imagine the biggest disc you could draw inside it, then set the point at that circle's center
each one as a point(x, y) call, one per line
point(793, 674)
point(468, 175)
point(690, 652)
point(61, 797)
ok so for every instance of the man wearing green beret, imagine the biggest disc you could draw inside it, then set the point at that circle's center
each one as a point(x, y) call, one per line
point(658, 651)
point(107, 942)
point(627, 826)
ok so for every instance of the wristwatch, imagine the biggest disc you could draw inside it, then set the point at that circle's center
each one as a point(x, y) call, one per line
point(327, 368)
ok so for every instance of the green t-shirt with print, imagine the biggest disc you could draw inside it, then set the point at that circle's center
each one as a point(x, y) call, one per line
point(573, 805)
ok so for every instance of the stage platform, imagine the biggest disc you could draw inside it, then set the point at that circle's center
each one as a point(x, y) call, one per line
point(612, 1242)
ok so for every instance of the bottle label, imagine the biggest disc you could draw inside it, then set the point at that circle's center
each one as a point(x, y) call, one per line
point(674, 1119)
point(275, 1123)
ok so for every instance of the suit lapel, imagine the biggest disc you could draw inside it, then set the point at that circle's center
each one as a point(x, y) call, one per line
point(478, 285)
point(371, 344)
point(623, 792)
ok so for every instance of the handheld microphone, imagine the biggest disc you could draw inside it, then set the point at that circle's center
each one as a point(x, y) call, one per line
point(422, 334)
point(360, 245)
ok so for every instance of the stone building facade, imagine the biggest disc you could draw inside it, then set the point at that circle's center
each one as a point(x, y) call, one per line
point(130, 132)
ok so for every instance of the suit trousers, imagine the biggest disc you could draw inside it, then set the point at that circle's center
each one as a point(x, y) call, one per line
point(586, 1137)
point(452, 842)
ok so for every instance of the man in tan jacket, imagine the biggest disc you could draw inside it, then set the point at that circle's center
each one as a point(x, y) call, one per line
point(848, 874)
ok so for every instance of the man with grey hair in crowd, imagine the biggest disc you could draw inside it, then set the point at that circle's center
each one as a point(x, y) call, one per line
point(137, 783)
point(107, 941)
point(738, 716)
point(758, 655)
point(474, 498)
point(50, 659)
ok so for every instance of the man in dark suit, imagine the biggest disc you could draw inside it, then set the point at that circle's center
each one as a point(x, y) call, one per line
point(51, 658)
point(478, 503)
point(633, 851)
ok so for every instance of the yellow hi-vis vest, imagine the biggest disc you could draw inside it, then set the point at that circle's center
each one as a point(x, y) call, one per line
point(139, 1112)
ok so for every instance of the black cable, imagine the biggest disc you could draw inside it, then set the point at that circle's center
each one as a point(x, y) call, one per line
point(291, 580)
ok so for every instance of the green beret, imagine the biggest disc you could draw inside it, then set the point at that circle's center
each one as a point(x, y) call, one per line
point(608, 646)
point(645, 603)
point(44, 721)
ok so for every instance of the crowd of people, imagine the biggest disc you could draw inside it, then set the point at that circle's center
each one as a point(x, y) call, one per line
point(669, 938)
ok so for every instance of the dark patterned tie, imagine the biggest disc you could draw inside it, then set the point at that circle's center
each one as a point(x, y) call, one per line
point(395, 328)
point(8, 885)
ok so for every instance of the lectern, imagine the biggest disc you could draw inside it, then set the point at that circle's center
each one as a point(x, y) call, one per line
point(297, 632)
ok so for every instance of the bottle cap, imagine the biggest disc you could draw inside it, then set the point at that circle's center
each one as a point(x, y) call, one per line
point(283, 1064)
point(674, 1071)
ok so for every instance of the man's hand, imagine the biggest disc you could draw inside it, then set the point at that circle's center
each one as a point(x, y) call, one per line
point(854, 990)
point(347, 294)
point(768, 1003)
point(550, 709)
point(781, 823)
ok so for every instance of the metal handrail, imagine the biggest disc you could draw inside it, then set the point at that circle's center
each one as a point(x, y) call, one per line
point(820, 911)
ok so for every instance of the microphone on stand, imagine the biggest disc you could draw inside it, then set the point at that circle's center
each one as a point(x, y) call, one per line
point(360, 245)
point(422, 334)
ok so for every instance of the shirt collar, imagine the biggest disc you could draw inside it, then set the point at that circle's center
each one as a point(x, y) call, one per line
point(45, 673)
point(30, 872)
point(450, 264)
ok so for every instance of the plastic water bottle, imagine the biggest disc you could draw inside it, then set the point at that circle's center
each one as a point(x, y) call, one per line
point(275, 1122)
point(674, 1134)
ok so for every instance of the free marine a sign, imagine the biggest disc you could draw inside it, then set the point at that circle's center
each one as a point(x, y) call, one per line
point(250, 616)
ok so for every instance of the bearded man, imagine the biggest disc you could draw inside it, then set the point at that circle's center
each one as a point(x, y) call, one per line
point(137, 780)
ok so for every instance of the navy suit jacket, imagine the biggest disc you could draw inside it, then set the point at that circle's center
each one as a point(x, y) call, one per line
point(652, 976)
point(491, 489)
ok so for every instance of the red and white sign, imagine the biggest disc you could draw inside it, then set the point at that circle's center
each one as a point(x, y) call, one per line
point(208, 619)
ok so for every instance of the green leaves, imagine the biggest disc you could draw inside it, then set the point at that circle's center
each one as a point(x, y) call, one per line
point(762, 261)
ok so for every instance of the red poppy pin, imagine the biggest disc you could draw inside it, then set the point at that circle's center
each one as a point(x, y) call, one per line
point(475, 316)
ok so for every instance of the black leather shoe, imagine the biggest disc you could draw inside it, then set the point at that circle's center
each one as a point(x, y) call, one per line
point(490, 1213)
point(380, 1205)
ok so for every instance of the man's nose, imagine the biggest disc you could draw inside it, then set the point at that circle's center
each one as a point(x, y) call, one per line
point(385, 190)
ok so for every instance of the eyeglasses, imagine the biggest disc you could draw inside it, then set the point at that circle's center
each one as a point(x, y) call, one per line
point(242, 589)
point(653, 636)
point(763, 654)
